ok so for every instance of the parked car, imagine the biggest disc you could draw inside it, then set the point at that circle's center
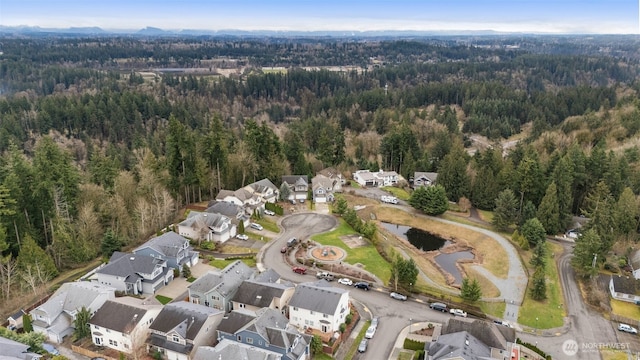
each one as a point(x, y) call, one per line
point(291, 242)
point(458, 312)
point(345, 281)
point(284, 249)
point(242, 237)
point(363, 346)
point(370, 332)
point(269, 212)
point(362, 285)
point(375, 322)
point(627, 328)
point(398, 296)
point(299, 269)
point(50, 349)
point(439, 306)
point(256, 226)
point(325, 275)
point(502, 322)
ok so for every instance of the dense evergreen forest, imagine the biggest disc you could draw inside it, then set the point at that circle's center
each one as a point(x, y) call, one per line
point(103, 139)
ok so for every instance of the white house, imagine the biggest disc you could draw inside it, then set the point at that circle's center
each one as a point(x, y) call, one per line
point(134, 274)
point(265, 190)
point(625, 288)
point(323, 189)
point(121, 326)
point(254, 295)
point(298, 186)
point(171, 247)
point(241, 197)
point(424, 179)
point(319, 306)
point(380, 178)
point(55, 317)
point(207, 226)
point(217, 289)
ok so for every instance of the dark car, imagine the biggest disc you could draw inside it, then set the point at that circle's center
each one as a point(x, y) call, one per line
point(439, 306)
point(362, 285)
point(299, 270)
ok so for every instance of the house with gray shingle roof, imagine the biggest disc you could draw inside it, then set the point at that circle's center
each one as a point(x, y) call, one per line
point(254, 295)
point(227, 349)
point(424, 179)
point(625, 288)
point(121, 326)
point(182, 326)
point(318, 305)
point(134, 274)
point(13, 350)
point(207, 226)
point(16, 320)
point(498, 338)
point(171, 247)
point(55, 317)
point(265, 329)
point(265, 190)
point(233, 211)
point(459, 345)
point(216, 289)
point(298, 186)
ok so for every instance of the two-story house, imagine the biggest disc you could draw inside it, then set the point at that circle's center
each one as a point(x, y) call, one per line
point(265, 329)
point(241, 197)
point(134, 274)
point(55, 317)
point(216, 289)
point(298, 186)
point(337, 180)
point(323, 189)
point(424, 179)
point(254, 295)
point(233, 211)
point(171, 247)
point(180, 327)
point(265, 190)
point(207, 226)
point(122, 326)
point(379, 178)
point(227, 349)
point(319, 306)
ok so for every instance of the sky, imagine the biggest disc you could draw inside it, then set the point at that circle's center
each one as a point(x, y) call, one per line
point(538, 16)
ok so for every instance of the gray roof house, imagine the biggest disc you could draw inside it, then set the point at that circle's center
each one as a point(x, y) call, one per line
point(207, 226)
point(227, 349)
point(459, 345)
point(233, 211)
point(121, 326)
point(182, 326)
point(265, 190)
point(171, 247)
point(266, 329)
point(241, 197)
point(625, 288)
point(16, 320)
point(134, 274)
point(13, 350)
point(55, 317)
point(424, 179)
point(378, 178)
point(298, 186)
point(318, 305)
point(634, 261)
point(323, 188)
point(216, 288)
point(254, 295)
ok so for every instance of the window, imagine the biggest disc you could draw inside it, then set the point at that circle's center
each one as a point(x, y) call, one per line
point(96, 327)
point(310, 312)
point(108, 330)
point(325, 316)
point(239, 338)
point(295, 308)
point(249, 340)
point(97, 340)
point(176, 338)
point(126, 346)
point(113, 343)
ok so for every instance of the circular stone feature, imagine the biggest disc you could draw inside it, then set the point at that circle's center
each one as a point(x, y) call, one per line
point(327, 253)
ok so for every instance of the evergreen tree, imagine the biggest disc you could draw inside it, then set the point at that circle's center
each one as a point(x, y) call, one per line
point(316, 345)
point(599, 207)
point(539, 258)
point(285, 192)
point(586, 250)
point(470, 290)
point(27, 323)
point(241, 227)
point(534, 232)
point(31, 256)
point(626, 213)
point(505, 213)
point(110, 243)
point(549, 211)
point(563, 178)
point(432, 200)
point(341, 205)
point(528, 212)
point(404, 272)
point(452, 174)
point(186, 271)
point(539, 285)
point(81, 327)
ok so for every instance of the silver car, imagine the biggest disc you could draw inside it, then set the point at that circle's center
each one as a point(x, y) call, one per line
point(363, 346)
point(398, 296)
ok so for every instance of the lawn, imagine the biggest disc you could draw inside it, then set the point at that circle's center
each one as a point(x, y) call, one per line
point(550, 312)
point(221, 264)
point(614, 355)
point(269, 225)
point(321, 356)
point(356, 342)
point(366, 255)
point(401, 194)
point(486, 215)
point(493, 308)
point(626, 309)
point(163, 299)
point(489, 290)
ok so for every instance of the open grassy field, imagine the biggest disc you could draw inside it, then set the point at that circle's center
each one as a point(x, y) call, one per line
point(366, 255)
point(626, 309)
point(268, 224)
point(493, 308)
point(221, 264)
point(489, 290)
point(548, 313)
point(401, 194)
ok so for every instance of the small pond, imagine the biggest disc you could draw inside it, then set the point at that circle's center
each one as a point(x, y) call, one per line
point(448, 263)
point(419, 238)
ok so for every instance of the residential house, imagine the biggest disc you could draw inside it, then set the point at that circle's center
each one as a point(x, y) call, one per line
point(298, 186)
point(216, 289)
point(227, 349)
point(55, 317)
point(253, 295)
point(233, 211)
point(121, 326)
point(180, 327)
point(471, 339)
point(380, 178)
point(241, 197)
point(323, 189)
point(134, 274)
point(170, 247)
point(207, 226)
point(16, 320)
point(335, 176)
point(625, 288)
point(265, 329)
point(424, 179)
point(634, 262)
point(13, 350)
point(265, 190)
point(318, 305)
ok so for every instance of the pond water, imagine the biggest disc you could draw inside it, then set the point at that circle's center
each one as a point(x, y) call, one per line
point(448, 263)
point(419, 238)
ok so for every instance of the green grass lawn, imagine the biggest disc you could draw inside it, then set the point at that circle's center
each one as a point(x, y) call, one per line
point(221, 264)
point(493, 308)
point(614, 355)
point(405, 355)
point(163, 299)
point(356, 342)
point(486, 215)
point(548, 313)
point(366, 255)
point(401, 194)
point(626, 309)
point(322, 356)
point(268, 225)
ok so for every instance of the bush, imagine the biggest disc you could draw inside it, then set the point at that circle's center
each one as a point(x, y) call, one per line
point(534, 348)
point(348, 319)
point(343, 327)
point(418, 355)
point(413, 345)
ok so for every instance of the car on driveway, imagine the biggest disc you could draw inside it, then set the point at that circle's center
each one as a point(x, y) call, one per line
point(627, 328)
point(242, 237)
point(458, 312)
point(398, 296)
point(362, 285)
point(256, 226)
point(345, 281)
point(269, 212)
point(299, 270)
point(363, 346)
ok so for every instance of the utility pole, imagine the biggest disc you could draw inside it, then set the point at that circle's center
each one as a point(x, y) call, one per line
point(593, 263)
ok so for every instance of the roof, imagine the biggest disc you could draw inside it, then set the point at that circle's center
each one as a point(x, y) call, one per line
point(197, 219)
point(489, 333)
point(259, 294)
point(366, 175)
point(10, 349)
point(125, 265)
point(17, 315)
point(227, 349)
point(168, 244)
point(330, 172)
point(461, 345)
point(183, 317)
point(318, 296)
point(626, 284)
point(261, 185)
point(74, 295)
point(225, 281)
point(268, 276)
point(228, 209)
point(296, 179)
point(118, 317)
point(223, 194)
point(234, 321)
point(322, 181)
point(429, 175)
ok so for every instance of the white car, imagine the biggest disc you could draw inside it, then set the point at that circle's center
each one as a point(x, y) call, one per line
point(256, 226)
point(627, 328)
point(458, 312)
point(370, 332)
point(269, 212)
point(345, 281)
point(398, 296)
point(242, 237)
